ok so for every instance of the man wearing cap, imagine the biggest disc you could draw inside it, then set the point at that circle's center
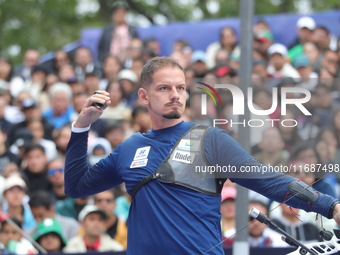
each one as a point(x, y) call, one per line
point(278, 66)
point(92, 220)
point(309, 79)
point(198, 63)
point(49, 235)
point(305, 27)
point(262, 41)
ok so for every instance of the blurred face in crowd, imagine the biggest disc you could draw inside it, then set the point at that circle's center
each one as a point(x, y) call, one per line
point(3, 104)
point(136, 47)
point(118, 16)
point(271, 141)
point(83, 57)
point(288, 128)
point(228, 209)
point(309, 156)
point(115, 93)
point(55, 170)
point(143, 120)
point(63, 138)
point(261, 70)
point(9, 233)
point(111, 67)
point(41, 212)
point(320, 36)
point(61, 58)
point(14, 196)
point(305, 34)
point(127, 85)
point(306, 177)
point(277, 60)
point(79, 101)
point(51, 79)
point(37, 129)
point(94, 225)
point(330, 61)
point(311, 51)
point(105, 201)
point(36, 161)
point(51, 242)
point(323, 98)
point(115, 137)
point(31, 58)
point(60, 102)
point(137, 66)
point(91, 83)
point(228, 38)
point(5, 69)
point(66, 72)
point(256, 228)
point(304, 71)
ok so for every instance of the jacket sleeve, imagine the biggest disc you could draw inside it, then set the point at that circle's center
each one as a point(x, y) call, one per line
point(223, 150)
point(82, 180)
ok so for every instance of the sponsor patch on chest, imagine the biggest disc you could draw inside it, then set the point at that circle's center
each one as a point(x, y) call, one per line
point(139, 163)
point(187, 145)
point(183, 156)
point(142, 153)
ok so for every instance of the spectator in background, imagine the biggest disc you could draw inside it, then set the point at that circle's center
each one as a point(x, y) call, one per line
point(110, 70)
point(198, 60)
point(153, 45)
point(259, 234)
point(302, 230)
point(309, 79)
point(15, 82)
point(134, 52)
point(15, 206)
point(91, 83)
point(61, 109)
point(116, 37)
point(35, 173)
point(136, 67)
point(228, 214)
point(42, 208)
point(324, 39)
point(37, 130)
point(271, 147)
point(61, 58)
point(67, 73)
point(84, 63)
point(262, 41)
point(31, 58)
point(141, 119)
point(93, 221)
point(78, 101)
point(128, 80)
point(31, 111)
point(278, 66)
point(55, 171)
point(36, 84)
point(325, 106)
point(70, 207)
point(6, 156)
point(228, 41)
point(312, 51)
point(61, 138)
point(13, 240)
point(305, 27)
point(114, 133)
point(49, 235)
point(115, 228)
point(99, 148)
point(24, 138)
point(331, 61)
point(117, 109)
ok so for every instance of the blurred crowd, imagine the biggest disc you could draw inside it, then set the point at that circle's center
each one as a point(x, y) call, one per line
point(38, 103)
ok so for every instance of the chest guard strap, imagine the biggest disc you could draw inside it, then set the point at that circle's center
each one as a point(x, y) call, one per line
point(179, 167)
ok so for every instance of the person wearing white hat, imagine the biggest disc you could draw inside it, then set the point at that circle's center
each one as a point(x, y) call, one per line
point(128, 79)
point(305, 27)
point(92, 220)
point(278, 66)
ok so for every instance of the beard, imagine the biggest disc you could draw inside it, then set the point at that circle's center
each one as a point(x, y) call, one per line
point(174, 114)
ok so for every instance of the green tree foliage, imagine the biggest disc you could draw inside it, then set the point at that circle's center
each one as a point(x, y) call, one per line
point(47, 25)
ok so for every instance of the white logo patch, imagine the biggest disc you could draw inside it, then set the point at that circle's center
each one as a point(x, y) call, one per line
point(142, 153)
point(187, 145)
point(183, 156)
point(139, 163)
